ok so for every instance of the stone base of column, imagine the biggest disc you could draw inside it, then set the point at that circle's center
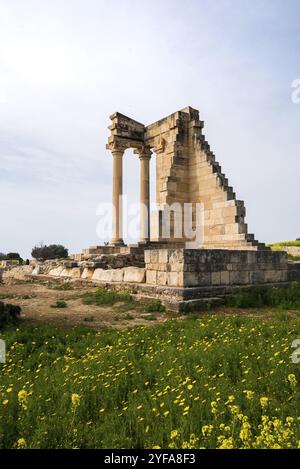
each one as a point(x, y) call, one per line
point(117, 242)
point(144, 242)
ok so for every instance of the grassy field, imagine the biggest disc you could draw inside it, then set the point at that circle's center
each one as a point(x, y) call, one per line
point(211, 382)
point(286, 243)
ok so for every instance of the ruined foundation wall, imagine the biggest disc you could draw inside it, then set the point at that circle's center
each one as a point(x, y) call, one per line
point(193, 267)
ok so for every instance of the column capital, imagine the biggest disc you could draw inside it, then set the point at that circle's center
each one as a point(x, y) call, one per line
point(143, 153)
point(116, 148)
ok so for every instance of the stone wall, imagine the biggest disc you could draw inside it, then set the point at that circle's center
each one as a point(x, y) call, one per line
point(193, 267)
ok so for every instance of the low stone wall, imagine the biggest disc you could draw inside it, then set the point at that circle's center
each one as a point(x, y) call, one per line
point(18, 273)
point(193, 267)
point(176, 268)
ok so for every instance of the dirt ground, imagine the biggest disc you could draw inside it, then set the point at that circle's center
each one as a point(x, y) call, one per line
point(36, 298)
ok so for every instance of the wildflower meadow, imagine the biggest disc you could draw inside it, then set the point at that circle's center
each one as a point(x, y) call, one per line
point(214, 381)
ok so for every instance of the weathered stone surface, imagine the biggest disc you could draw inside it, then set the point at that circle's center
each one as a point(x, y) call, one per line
point(56, 271)
point(196, 267)
point(37, 270)
point(134, 274)
point(151, 277)
point(87, 273)
point(71, 272)
point(18, 273)
point(111, 275)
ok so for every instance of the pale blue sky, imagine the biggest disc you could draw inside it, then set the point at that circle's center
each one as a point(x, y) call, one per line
point(65, 66)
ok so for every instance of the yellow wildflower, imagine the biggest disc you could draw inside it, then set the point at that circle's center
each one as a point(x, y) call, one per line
point(264, 401)
point(75, 398)
point(21, 443)
point(292, 380)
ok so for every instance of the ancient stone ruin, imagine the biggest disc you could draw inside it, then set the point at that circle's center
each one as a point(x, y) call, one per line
point(166, 263)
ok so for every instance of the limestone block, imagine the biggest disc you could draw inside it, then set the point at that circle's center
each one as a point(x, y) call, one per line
point(225, 278)
point(239, 277)
point(154, 256)
point(147, 255)
point(216, 278)
point(110, 275)
point(161, 278)
point(191, 279)
point(134, 274)
point(172, 279)
point(273, 276)
point(36, 270)
point(72, 273)
point(176, 256)
point(163, 256)
point(151, 277)
point(87, 273)
point(56, 271)
point(256, 276)
point(204, 278)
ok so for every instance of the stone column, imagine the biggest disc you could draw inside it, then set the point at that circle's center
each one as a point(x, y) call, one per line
point(144, 156)
point(117, 228)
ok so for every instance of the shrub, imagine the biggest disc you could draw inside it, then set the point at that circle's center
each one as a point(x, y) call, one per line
point(59, 304)
point(13, 256)
point(53, 251)
point(9, 314)
point(154, 306)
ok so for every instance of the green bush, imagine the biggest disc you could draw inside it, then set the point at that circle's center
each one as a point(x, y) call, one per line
point(53, 251)
point(9, 314)
point(257, 297)
point(154, 306)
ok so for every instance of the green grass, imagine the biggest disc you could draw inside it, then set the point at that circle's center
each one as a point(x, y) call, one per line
point(286, 243)
point(191, 383)
point(106, 297)
point(4, 296)
point(258, 297)
point(64, 287)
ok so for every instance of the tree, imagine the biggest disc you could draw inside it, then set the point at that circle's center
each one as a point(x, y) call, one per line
point(53, 251)
point(13, 256)
point(2, 256)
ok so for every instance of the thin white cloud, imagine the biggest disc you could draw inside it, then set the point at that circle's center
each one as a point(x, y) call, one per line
point(65, 66)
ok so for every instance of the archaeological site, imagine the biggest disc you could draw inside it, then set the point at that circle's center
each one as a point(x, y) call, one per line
point(195, 247)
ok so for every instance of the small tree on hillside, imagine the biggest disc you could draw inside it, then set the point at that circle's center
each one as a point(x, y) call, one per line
point(13, 256)
point(53, 251)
